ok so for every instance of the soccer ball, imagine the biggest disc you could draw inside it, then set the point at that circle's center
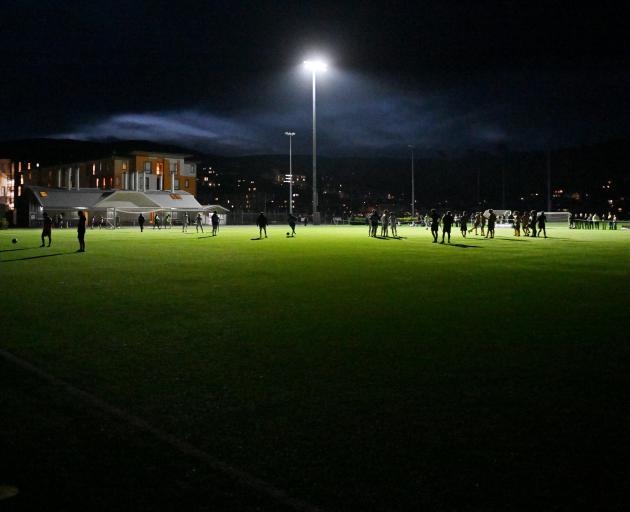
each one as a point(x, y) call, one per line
point(14, 240)
point(287, 233)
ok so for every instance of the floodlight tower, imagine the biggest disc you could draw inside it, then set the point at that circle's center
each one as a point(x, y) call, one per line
point(315, 66)
point(290, 176)
point(413, 184)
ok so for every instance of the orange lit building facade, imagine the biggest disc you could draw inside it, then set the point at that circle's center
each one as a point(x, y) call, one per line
point(139, 171)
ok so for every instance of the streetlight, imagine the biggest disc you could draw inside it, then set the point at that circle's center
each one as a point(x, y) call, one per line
point(314, 66)
point(290, 177)
point(413, 184)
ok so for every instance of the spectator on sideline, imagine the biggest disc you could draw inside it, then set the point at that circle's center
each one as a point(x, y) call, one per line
point(141, 222)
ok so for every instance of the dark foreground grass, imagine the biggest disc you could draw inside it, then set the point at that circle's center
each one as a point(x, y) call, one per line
point(353, 372)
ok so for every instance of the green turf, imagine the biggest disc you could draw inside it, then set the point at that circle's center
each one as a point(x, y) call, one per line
point(353, 372)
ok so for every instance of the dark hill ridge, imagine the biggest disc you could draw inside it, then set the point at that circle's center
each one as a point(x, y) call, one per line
point(440, 179)
point(57, 151)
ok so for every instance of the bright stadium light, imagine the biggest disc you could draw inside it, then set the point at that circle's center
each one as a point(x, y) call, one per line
point(315, 66)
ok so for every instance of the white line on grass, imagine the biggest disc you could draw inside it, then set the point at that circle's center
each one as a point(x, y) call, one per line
point(242, 477)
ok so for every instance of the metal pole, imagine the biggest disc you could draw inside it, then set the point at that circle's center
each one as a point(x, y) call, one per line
point(413, 186)
point(548, 180)
point(503, 185)
point(315, 216)
point(290, 176)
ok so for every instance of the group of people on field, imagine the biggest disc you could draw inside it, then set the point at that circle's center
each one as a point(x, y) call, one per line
point(387, 221)
point(593, 221)
point(48, 224)
point(531, 223)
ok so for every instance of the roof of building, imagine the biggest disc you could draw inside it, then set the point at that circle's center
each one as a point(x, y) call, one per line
point(96, 199)
point(57, 198)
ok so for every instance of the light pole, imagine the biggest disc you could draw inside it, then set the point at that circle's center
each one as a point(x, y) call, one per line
point(413, 184)
point(314, 66)
point(290, 135)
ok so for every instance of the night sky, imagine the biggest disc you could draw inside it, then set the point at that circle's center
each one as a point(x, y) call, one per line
point(226, 77)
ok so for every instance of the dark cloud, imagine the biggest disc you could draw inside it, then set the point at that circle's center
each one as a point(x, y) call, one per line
point(219, 75)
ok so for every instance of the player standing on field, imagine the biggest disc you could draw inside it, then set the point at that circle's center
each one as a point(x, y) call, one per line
point(81, 231)
point(447, 222)
point(435, 223)
point(215, 224)
point(463, 224)
point(261, 222)
point(47, 231)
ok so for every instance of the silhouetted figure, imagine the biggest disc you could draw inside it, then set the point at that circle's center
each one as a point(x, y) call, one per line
point(261, 222)
point(47, 230)
point(292, 221)
point(517, 224)
point(185, 221)
point(156, 222)
point(435, 224)
point(463, 224)
point(215, 224)
point(81, 231)
point(141, 222)
point(385, 224)
point(199, 223)
point(374, 218)
point(447, 222)
point(542, 220)
point(492, 220)
point(532, 223)
point(305, 220)
point(393, 224)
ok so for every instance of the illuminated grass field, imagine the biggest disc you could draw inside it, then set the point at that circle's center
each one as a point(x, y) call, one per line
point(355, 373)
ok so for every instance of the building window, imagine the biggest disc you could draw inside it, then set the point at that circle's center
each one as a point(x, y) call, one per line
point(124, 166)
point(147, 167)
point(186, 184)
point(173, 166)
point(176, 184)
point(146, 183)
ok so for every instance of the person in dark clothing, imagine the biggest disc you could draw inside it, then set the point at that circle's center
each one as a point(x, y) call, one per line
point(81, 231)
point(447, 222)
point(215, 224)
point(305, 220)
point(435, 224)
point(199, 222)
point(532, 223)
point(463, 224)
point(292, 221)
point(141, 222)
point(47, 230)
point(542, 220)
point(374, 218)
point(261, 222)
point(492, 220)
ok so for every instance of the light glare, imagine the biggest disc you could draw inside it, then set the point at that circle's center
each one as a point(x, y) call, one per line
point(315, 65)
